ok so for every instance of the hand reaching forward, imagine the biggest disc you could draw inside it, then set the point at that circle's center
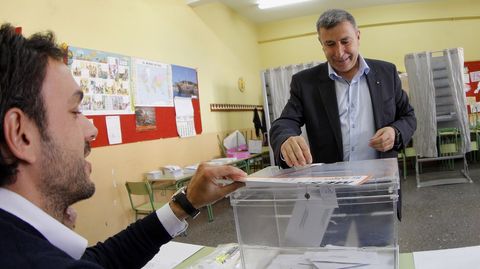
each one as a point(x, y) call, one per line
point(383, 139)
point(296, 152)
point(203, 190)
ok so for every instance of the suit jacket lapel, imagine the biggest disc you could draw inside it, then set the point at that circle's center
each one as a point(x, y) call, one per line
point(375, 89)
point(329, 99)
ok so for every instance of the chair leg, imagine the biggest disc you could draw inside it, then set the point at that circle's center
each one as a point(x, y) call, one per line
point(210, 213)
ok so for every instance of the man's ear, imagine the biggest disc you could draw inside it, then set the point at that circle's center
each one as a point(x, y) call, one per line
point(20, 132)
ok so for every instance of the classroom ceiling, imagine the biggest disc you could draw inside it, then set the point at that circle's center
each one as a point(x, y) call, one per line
point(249, 9)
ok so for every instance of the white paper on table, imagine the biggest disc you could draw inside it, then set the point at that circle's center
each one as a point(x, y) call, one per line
point(114, 130)
point(310, 217)
point(171, 255)
point(458, 258)
point(184, 116)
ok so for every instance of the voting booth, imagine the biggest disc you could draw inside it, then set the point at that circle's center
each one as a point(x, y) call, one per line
point(341, 215)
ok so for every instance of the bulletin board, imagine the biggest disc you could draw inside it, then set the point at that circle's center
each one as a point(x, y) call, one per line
point(108, 82)
point(472, 79)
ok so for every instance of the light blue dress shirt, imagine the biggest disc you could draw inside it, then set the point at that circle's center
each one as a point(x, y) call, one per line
point(356, 113)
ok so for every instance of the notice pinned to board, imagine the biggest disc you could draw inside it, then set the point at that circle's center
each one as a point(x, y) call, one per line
point(184, 116)
point(114, 130)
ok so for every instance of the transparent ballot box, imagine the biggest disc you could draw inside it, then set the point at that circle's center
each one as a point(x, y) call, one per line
point(341, 215)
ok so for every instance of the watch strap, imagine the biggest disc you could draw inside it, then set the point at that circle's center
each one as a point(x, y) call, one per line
point(181, 199)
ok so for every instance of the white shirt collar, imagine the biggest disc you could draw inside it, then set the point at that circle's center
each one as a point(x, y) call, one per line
point(362, 69)
point(55, 232)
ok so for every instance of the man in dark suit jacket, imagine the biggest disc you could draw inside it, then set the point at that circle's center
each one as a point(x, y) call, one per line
point(44, 140)
point(324, 98)
point(353, 109)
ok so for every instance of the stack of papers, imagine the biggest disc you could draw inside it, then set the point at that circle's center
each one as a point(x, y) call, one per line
point(345, 259)
point(222, 161)
point(191, 168)
point(171, 255)
point(458, 258)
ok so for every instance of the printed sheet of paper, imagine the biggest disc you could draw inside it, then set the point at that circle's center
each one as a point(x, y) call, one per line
point(315, 173)
point(114, 130)
point(184, 117)
point(171, 255)
point(458, 258)
point(295, 176)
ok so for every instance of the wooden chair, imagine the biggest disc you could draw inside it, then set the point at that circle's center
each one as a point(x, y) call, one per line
point(142, 189)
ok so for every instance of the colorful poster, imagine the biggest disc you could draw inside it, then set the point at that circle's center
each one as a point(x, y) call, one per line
point(152, 82)
point(104, 79)
point(145, 118)
point(185, 82)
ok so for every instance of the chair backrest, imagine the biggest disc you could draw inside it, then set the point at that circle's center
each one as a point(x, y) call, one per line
point(139, 188)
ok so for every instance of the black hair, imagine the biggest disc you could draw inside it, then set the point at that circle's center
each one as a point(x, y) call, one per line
point(23, 65)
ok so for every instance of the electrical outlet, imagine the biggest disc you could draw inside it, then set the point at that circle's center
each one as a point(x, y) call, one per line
point(115, 202)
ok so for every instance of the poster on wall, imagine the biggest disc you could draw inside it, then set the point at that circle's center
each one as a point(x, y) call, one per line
point(145, 119)
point(152, 83)
point(185, 82)
point(104, 79)
point(471, 79)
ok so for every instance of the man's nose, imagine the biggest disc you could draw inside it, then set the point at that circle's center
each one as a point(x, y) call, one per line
point(339, 50)
point(91, 131)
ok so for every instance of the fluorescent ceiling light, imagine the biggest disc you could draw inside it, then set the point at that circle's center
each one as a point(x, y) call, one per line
point(264, 4)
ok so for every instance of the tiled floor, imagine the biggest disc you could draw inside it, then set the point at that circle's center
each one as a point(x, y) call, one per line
point(436, 217)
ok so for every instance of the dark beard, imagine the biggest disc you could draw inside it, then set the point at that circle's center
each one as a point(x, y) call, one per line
point(64, 180)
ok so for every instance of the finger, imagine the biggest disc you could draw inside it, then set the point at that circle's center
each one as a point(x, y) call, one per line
point(377, 134)
point(297, 151)
point(289, 154)
point(285, 155)
point(383, 146)
point(224, 171)
point(306, 151)
point(230, 188)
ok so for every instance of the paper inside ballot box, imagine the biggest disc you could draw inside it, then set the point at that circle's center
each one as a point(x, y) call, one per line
point(310, 216)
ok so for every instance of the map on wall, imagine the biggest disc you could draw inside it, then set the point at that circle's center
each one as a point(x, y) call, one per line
point(152, 82)
point(104, 79)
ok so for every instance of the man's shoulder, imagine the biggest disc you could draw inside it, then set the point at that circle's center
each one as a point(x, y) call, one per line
point(313, 72)
point(24, 247)
point(374, 63)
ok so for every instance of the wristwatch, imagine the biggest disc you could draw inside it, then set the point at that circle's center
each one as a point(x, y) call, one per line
point(180, 197)
point(398, 138)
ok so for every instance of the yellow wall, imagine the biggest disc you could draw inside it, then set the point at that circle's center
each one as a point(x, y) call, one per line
point(222, 47)
point(387, 42)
